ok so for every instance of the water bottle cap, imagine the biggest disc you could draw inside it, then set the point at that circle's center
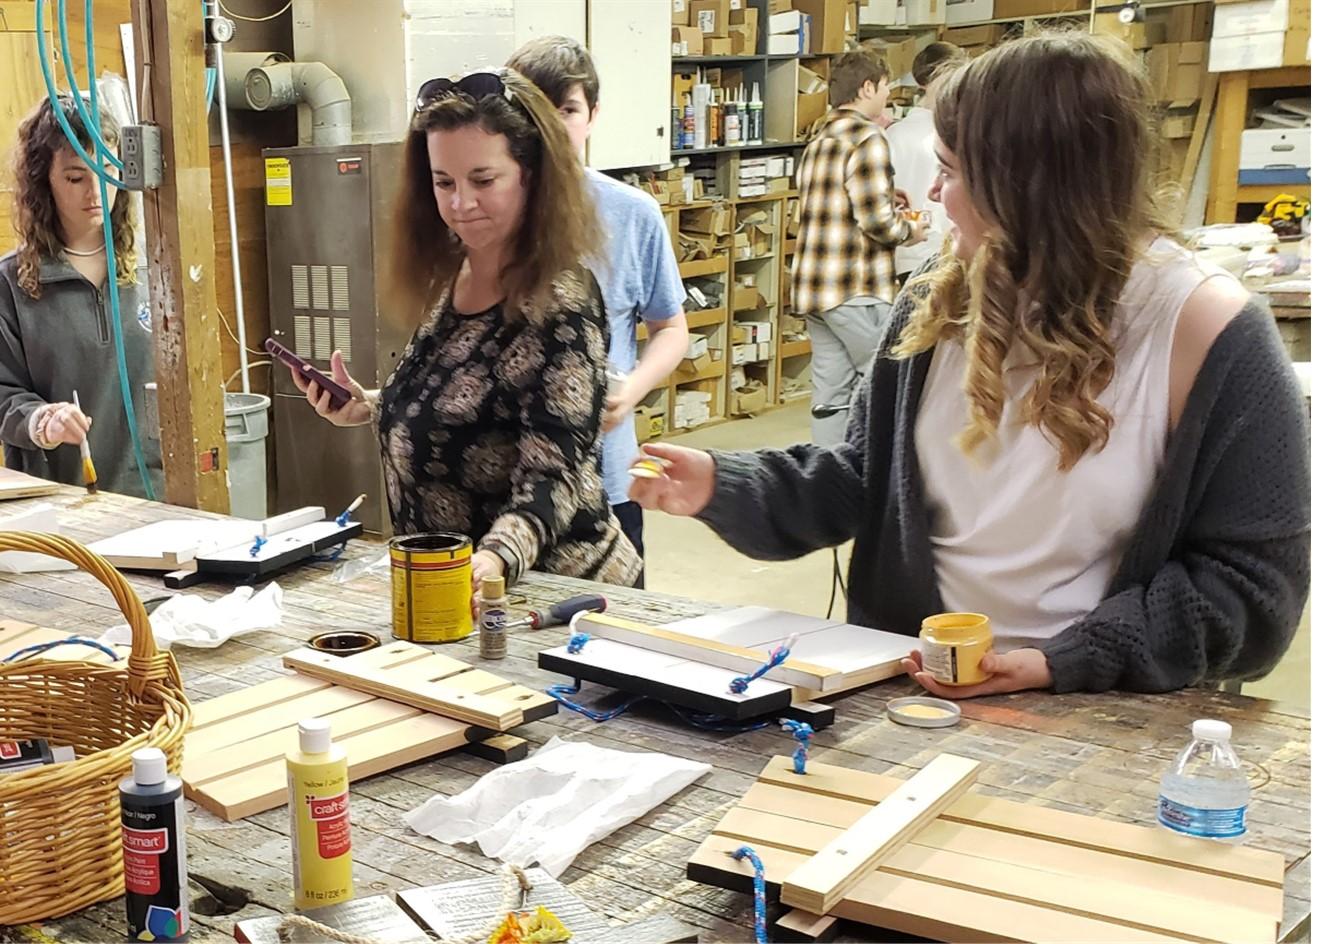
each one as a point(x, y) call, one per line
point(1207, 730)
point(313, 736)
point(149, 767)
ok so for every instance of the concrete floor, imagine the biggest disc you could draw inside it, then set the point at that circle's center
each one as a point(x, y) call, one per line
point(686, 558)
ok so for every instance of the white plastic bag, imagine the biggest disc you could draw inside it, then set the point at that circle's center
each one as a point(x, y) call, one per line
point(553, 804)
point(42, 517)
point(194, 621)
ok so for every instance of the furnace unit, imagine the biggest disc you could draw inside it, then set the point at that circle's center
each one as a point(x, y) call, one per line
point(327, 219)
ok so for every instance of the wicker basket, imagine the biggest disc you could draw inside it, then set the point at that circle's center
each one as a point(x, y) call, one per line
point(59, 825)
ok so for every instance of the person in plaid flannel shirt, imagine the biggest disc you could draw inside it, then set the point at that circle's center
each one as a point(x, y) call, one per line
point(851, 221)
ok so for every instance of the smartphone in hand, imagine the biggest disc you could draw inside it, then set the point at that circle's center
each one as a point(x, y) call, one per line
point(339, 395)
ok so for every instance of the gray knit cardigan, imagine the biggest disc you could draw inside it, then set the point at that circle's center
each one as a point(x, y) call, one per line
point(1212, 583)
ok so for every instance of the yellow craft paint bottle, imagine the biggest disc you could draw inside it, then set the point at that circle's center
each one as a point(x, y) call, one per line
point(318, 812)
point(952, 645)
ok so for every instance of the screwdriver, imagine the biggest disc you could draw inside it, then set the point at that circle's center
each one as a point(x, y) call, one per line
point(561, 613)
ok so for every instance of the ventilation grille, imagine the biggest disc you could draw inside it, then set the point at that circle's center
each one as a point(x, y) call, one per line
point(320, 287)
point(343, 337)
point(338, 287)
point(302, 335)
point(301, 287)
point(324, 342)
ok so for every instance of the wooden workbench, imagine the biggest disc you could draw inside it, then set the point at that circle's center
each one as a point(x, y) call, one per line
point(1098, 754)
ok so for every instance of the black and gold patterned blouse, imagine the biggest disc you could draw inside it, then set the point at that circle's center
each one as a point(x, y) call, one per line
point(491, 427)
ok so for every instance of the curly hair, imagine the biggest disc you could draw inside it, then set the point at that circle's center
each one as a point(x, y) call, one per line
point(559, 230)
point(1064, 178)
point(40, 138)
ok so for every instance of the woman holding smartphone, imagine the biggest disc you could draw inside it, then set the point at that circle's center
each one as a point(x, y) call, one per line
point(490, 423)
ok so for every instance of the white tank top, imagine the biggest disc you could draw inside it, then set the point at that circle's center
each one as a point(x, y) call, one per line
point(1014, 537)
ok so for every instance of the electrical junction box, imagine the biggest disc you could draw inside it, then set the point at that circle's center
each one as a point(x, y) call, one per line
point(140, 151)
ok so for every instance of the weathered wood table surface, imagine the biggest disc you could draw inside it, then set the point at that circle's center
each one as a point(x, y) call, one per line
point(1098, 754)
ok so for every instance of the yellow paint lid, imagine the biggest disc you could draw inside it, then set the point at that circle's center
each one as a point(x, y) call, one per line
point(921, 712)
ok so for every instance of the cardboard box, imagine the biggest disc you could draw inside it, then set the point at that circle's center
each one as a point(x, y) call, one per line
point(746, 298)
point(683, 84)
point(712, 17)
point(1177, 71)
point(827, 24)
point(899, 56)
point(743, 354)
point(1275, 147)
point(697, 345)
point(763, 350)
point(746, 16)
point(681, 13)
point(809, 109)
point(778, 6)
point(689, 40)
point(750, 399)
point(879, 12)
point(650, 423)
point(1012, 9)
point(924, 12)
point(1251, 18)
point(1135, 35)
point(986, 34)
point(744, 39)
point(1175, 126)
point(1189, 23)
point(968, 11)
point(1260, 51)
point(717, 46)
point(715, 220)
point(692, 366)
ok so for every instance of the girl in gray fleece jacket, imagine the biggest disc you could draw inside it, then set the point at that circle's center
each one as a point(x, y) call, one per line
point(1073, 426)
point(55, 329)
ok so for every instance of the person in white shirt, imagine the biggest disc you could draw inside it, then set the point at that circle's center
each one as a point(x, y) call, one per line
point(914, 165)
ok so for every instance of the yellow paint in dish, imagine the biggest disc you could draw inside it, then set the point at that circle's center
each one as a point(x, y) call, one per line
point(924, 711)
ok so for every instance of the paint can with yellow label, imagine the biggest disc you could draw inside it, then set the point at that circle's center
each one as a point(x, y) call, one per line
point(952, 645)
point(431, 587)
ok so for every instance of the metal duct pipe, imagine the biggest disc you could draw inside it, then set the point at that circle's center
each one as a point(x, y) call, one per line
point(280, 84)
point(236, 67)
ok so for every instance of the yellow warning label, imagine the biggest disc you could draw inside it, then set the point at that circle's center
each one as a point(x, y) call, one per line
point(278, 182)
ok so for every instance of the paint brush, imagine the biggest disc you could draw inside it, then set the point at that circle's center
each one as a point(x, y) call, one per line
point(88, 467)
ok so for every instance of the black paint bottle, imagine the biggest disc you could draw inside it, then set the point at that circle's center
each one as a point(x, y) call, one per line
point(154, 850)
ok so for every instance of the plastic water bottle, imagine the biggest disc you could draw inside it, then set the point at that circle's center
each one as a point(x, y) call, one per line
point(1205, 793)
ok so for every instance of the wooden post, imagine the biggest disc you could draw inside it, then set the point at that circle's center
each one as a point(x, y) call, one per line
point(180, 249)
point(1231, 111)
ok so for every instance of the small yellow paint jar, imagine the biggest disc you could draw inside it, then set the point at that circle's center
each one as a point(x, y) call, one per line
point(952, 645)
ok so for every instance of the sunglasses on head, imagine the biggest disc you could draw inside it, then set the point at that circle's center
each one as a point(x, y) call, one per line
point(477, 85)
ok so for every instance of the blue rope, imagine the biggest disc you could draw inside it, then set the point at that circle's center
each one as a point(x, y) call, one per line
point(256, 548)
point(562, 694)
point(71, 641)
point(775, 658)
point(576, 643)
point(803, 733)
point(761, 903)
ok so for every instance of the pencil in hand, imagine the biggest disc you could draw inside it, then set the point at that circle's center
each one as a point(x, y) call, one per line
point(88, 467)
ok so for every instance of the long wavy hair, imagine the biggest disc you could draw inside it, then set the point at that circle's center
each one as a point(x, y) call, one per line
point(40, 138)
point(559, 229)
point(1055, 141)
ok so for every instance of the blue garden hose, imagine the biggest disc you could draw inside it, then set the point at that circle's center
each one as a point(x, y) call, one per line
point(93, 130)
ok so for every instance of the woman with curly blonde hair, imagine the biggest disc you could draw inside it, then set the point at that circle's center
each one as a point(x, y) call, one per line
point(1075, 427)
point(490, 423)
point(55, 330)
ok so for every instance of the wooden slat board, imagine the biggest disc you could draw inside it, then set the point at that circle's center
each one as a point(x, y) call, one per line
point(233, 758)
point(15, 484)
point(880, 833)
point(429, 681)
point(15, 635)
point(991, 869)
point(692, 662)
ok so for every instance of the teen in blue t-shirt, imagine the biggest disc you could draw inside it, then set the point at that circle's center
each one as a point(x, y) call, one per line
point(639, 278)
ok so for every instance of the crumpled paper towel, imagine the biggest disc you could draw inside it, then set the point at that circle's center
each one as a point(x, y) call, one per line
point(194, 621)
point(553, 804)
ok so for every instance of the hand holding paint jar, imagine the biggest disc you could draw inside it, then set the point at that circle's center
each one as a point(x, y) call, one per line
point(952, 645)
